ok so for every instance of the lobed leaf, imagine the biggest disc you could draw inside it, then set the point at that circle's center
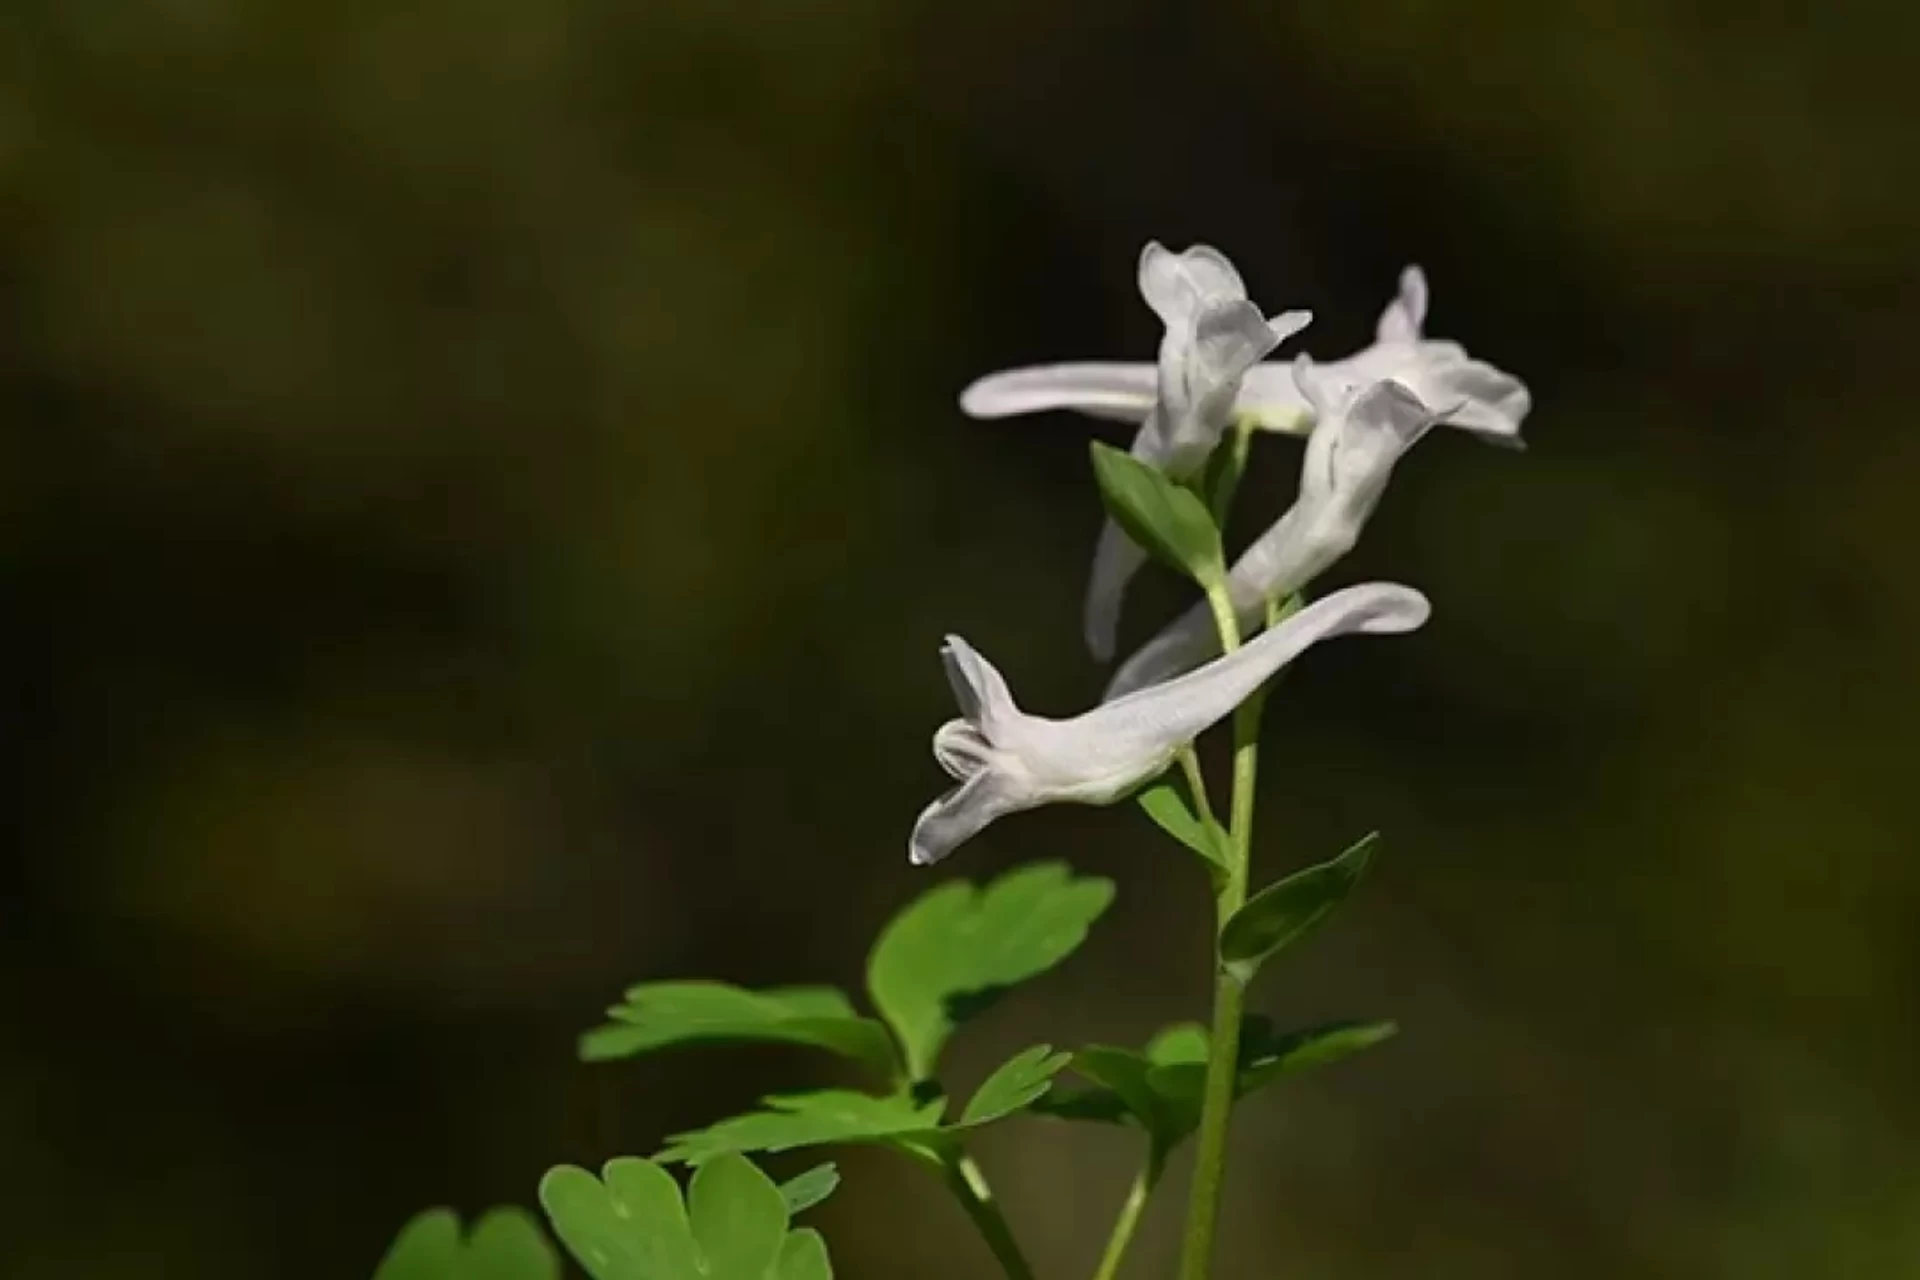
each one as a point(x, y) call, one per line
point(1159, 1090)
point(627, 1224)
point(661, 1015)
point(631, 1223)
point(1014, 1085)
point(908, 1120)
point(806, 1120)
point(954, 949)
point(804, 1257)
point(739, 1218)
point(505, 1244)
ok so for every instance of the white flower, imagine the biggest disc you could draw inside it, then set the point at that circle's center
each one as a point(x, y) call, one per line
point(1214, 335)
point(1359, 434)
point(1491, 403)
point(1007, 761)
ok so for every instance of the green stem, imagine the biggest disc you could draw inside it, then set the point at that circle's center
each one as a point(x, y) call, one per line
point(1129, 1220)
point(976, 1197)
point(1238, 446)
point(1225, 620)
point(1229, 996)
point(1196, 782)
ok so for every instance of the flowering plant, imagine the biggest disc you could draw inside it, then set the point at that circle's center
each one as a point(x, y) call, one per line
point(959, 947)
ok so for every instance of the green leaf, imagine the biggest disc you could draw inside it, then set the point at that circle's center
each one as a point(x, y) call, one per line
point(1016, 1083)
point(660, 1015)
point(1181, 1042)
point(628, 1224)
point(786, 1121)
point(427, 1248)
point(1180, 1086)
point(1093, 1105)
point(953, 950)
point(1159, 514)
point(810, 1188)
point(1126, 1088)
point(1124, 1073)
point(505, 1244)
point(1286, 912)
point(739, 1217)
point(1225, 466)
point(807, 1120)
point(1167, 803)
point(1125, 1091)
point(1269, 1057)
point(631, 1224)
point(1160, 1090)
point(804, 1257)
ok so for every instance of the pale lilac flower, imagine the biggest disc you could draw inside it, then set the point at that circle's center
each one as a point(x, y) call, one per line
point(1007, 761)
point(1359, 434)
point(1490, 403)
point(1214, 335)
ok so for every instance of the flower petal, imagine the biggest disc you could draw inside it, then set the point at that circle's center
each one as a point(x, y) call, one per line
point(1101, 389)
point(1165, 715)
point(1161, 282)
point(961, 749)
point(1228, 339)
point(1378, 424)
point(1211, 274)
point(1288, 323)
point(1180, 645)
point(963, 813)
point(1351, 454)
point(1407, 313)
point(1102, 755)
point(1175, 285)
point(1491, 402)
point(980, 690)
point(1200, 372)
point(1269, 395)
point(1320, 386)
point(1115, 560)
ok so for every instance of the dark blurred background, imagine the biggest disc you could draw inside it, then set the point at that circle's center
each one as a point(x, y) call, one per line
point(481, 491)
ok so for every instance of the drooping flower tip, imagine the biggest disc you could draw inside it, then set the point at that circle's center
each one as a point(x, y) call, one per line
point(919, 853)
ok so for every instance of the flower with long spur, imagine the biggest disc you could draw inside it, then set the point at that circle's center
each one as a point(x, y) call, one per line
point(1006, 761)
point(1213, 336)
point(1359, 434)
point(1491, 403)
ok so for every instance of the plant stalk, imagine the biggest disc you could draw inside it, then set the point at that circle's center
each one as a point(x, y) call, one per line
point(969, 1184)
point(1129, 1220)
point(1229, 995)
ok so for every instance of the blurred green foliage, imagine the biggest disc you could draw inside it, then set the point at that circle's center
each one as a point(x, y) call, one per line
point(481, 492)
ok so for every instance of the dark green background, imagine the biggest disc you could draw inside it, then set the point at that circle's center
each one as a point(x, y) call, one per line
point(481, 491)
